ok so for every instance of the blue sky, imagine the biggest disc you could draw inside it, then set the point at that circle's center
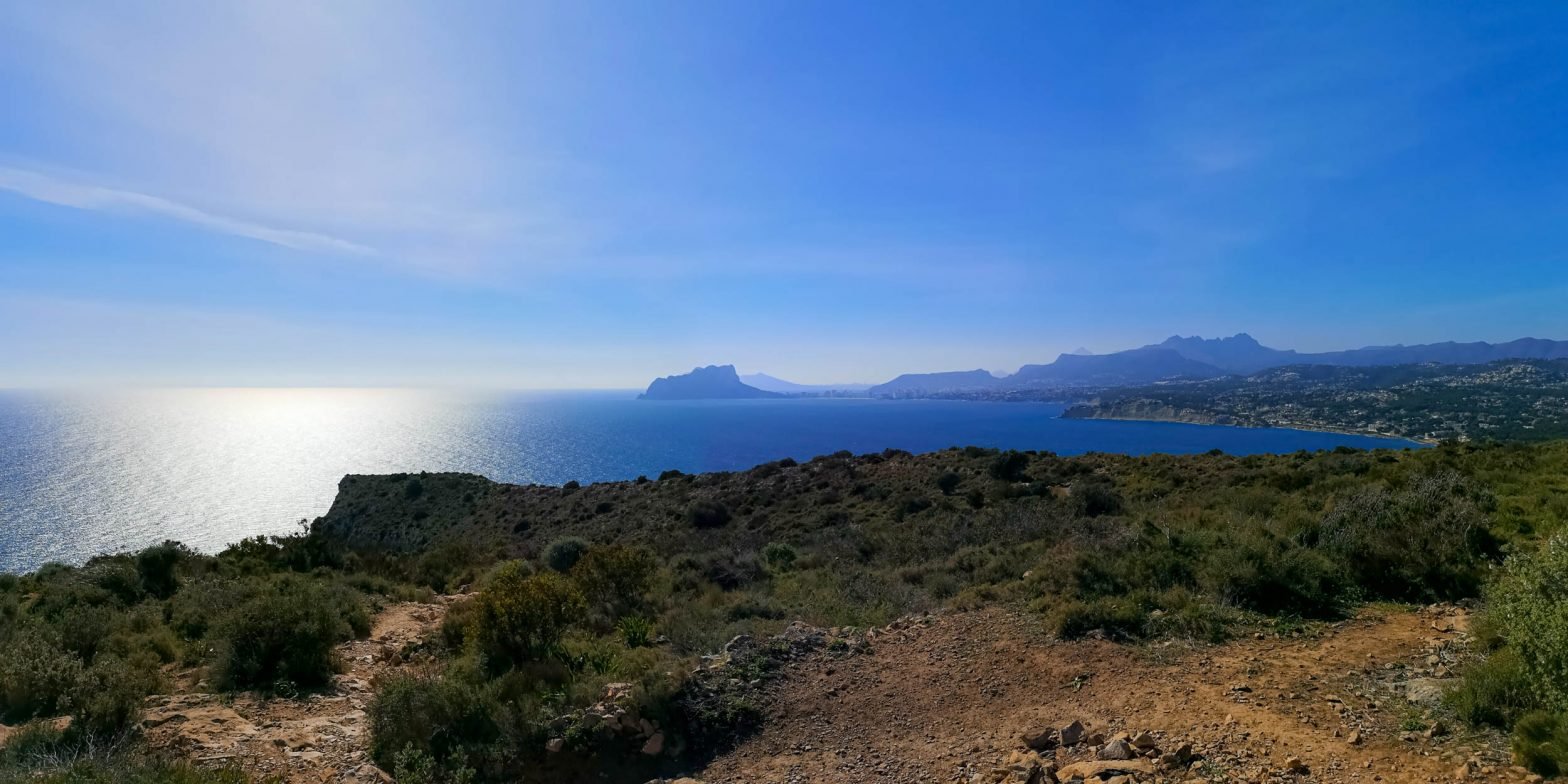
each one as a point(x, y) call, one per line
point(591, 194)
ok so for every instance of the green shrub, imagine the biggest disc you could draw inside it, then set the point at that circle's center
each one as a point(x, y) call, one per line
point(459, 621)
point(708, 514)
point(36, 677)
point(563, 554)
point(1274, 576)
point(615, 577)
point(911, 505)
point(779, 557)
point(156, 567)
point(412, 766)
point(93, 765)
point(975, 498)
point(636, 631)
point(443, 719)
point(1375, 533)
point(283, 635)
point(1529, 603)
point(1495, 691)
point(142, 631)
point(1540, 743)
point(449, 565)
point(1117, 618)
point(1183, 615)
point(107, 698)
point(83, 628)
point(1095, 498)
point(31, 742)
point(521, 617)
point(193, 608)
point(116, 575)
point(948, 482)
point(1008, 466)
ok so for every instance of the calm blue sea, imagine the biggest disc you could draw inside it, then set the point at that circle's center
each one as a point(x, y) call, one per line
point(83, 474)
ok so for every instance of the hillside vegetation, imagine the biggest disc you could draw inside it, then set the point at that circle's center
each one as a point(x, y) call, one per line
point(572, 589)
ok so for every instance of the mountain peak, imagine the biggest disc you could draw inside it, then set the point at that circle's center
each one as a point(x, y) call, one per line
point(1239, 339)
point(712, 381)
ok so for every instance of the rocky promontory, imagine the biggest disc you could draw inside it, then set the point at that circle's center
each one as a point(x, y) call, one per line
point(714, 382)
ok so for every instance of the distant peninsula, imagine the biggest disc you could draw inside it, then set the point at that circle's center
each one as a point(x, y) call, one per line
point(714, 382)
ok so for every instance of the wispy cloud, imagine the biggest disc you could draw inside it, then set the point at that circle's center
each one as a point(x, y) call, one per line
point(44, 188)
point(346, 130)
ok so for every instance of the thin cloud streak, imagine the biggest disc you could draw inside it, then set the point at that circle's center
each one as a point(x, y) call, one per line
point(50, 190)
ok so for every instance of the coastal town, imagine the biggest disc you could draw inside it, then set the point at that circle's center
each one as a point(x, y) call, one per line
point(1508, 400)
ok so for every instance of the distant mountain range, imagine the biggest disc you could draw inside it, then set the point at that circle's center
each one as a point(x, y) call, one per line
point(1198, 358)
point(1177, 357)
point(769, 383)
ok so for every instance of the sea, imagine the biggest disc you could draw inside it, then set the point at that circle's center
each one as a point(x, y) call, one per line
point(88, 473)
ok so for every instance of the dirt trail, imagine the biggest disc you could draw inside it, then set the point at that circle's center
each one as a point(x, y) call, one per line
point(949, 702)
point(318, 738)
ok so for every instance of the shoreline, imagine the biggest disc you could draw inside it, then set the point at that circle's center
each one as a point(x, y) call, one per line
point(1304, 428)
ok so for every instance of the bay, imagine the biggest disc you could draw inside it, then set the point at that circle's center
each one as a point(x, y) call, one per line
point(83, 474)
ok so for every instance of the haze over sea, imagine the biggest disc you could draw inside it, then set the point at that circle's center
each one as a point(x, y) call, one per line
point(88, 473)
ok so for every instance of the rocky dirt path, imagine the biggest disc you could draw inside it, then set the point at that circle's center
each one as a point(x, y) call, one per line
point(318, 738)
point(952, 701)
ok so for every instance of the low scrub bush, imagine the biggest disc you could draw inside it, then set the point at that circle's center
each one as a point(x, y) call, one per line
point(1273, 575)
point(1495, 691)
point(1115, 617)
point(1008, 466)
point(779, 556)
point(36, 677)
point(156, 567)
point(107, 698)
point(1529, 605)
point(1540, 743)
point(1376, 532)
point(707, 514)
point(948, 482)
point(563, 554)
point(283, 635)
point(615, 578)
point(1096, 498)
point(442, 719)
point(521, 617)
point(115, 766)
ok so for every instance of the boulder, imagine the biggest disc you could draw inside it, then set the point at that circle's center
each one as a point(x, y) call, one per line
point(655, 745)
point(1100, 768)
point(369, 774)
point(1144, 741)
point(1428, 691)
point(1117, 749)
point(1045, 740)
point(1072, 734)
point(1177, 757)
